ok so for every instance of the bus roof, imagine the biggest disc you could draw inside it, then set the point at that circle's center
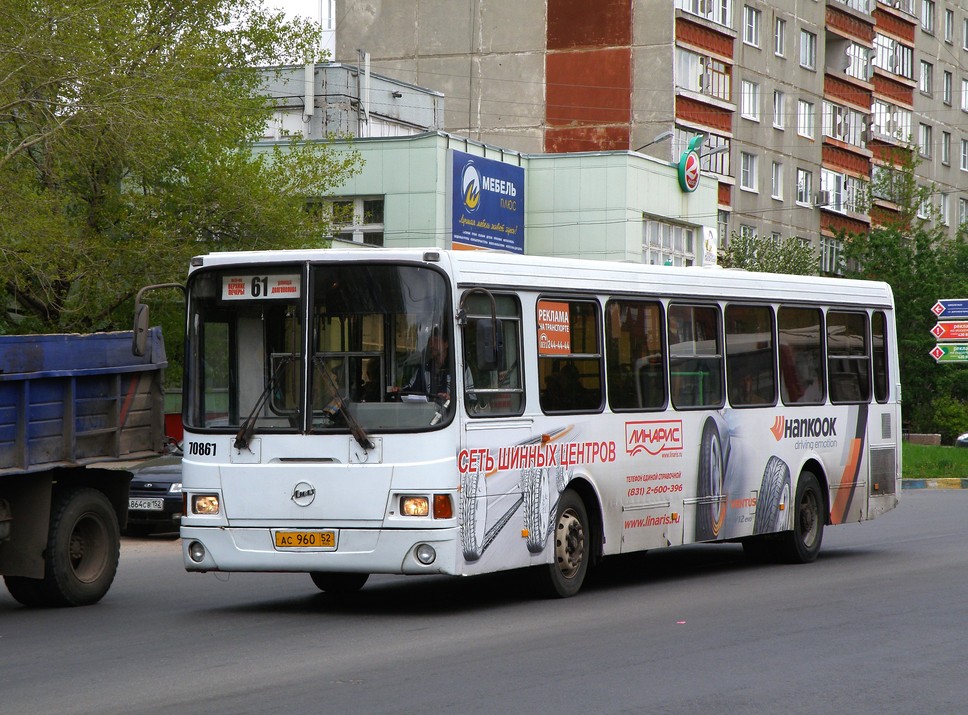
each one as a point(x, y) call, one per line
point(503, 270)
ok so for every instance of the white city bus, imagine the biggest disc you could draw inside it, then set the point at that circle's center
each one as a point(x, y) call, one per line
point(433, 412)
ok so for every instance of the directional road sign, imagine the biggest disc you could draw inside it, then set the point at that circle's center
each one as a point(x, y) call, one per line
point(951, 330)
point(950, 352)
point(951, 308)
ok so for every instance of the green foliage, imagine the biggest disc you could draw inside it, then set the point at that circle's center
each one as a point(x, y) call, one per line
point(921, 265)
point(126, 131)
point(949, 417)
point(919, 461)
point(752, 253)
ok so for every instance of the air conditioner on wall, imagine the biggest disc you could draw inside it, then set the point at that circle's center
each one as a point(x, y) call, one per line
point(822, 199)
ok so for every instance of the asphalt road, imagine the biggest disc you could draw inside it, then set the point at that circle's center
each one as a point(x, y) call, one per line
point(879, 624)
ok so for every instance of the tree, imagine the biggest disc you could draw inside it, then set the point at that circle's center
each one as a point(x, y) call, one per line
point(914, 256)
point(126, 131)
point(753, 253)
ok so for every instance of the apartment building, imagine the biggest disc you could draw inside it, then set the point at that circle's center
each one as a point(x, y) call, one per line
point(799, 102)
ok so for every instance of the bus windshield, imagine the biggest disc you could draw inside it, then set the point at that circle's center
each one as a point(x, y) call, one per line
point(319, 348)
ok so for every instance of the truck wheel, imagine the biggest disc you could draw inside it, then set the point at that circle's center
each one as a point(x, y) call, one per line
point(83, 548)
point(338, 583)
point(572, 543)
point(26, 591)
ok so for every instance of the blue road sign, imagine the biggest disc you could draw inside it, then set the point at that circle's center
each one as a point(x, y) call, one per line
point(951, 308)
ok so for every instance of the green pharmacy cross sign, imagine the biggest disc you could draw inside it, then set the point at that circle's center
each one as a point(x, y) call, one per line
point(950, 352)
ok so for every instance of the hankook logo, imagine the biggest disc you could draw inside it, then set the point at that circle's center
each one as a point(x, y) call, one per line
point(303, 494)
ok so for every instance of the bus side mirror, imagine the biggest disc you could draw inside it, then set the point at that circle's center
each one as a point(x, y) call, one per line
point(490, 344)
point(139, 342)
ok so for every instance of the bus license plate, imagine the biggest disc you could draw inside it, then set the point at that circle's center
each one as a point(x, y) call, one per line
point(146, 504)
point(305, 539)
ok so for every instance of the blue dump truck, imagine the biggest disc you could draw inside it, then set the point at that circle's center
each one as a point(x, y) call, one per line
point(70, 405)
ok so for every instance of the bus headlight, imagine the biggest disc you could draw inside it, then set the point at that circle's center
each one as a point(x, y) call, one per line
point(205, 504)
point(414, 506)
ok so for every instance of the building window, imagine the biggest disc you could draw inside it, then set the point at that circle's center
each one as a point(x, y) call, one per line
point(668, 244)
point(949, 25)
point(893, 56)
point(964, 33)
point(718, 11)
point(777, 181)
point(924, 207)
point(779, 101)
point(843, 193)
point(964, 154)
point(717, 163)
point(946, 88)
point(750, 100)
point(808, 50)
point(843, 123)
point(946, 148)
point(359, 220)
point(779, 37)
point(751, 26)
point(891, 121)
point(943, 208)
point(746, 231)
point(858, 61)
point(831, 255)
point(927, 78)
point(927, 15)
point(748, 171)
point(924, 140)
point(964, 95)
point(805, 121)
point(702, 74)
point(804, 186)
point(722, 225)
point(962, 211)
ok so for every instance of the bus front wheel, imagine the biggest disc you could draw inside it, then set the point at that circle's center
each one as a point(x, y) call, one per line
point(337, 583)
point(572, 549)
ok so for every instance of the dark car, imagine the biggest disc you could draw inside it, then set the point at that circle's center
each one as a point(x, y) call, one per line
point(155, 498)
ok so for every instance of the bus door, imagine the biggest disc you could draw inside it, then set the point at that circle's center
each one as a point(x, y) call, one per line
point(496, 431)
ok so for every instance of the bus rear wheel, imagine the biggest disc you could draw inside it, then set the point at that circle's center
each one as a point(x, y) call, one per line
point(802, 544)
point(572, 549)
point(338, 583)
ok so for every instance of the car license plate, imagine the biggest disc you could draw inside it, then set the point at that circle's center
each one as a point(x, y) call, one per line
point(146, 504)
point(305, 539)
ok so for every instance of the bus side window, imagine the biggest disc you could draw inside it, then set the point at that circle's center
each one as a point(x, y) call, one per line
point(848, 357)
point(879, 353)
point(635, 355)
point(750, 371)
point(569, 356)
point(695, 356)
point(801, 356)
point(492, 390)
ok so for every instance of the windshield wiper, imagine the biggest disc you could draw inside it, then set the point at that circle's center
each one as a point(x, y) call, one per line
point(247, 427)
point(356, 429)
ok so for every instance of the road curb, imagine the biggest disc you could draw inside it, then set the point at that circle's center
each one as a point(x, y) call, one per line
point(941, 483)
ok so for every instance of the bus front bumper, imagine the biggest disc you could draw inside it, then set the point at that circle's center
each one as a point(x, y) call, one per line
point(387, 551)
